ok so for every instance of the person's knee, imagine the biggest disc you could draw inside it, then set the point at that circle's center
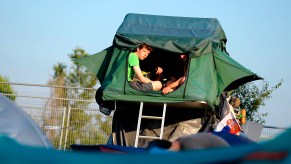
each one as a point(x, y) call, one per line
point(157, 85)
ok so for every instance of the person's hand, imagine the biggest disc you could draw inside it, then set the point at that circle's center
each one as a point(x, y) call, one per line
point(167, 90)
point(159, 70)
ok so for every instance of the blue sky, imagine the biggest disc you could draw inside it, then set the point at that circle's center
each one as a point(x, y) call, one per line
point(35, 35)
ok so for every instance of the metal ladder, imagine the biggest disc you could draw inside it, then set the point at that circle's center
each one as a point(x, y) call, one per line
point(140, 116)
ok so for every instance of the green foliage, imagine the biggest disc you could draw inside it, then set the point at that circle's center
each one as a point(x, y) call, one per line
point(6, 89)
point(79, 77)
point(252, 97)
point(104, 132)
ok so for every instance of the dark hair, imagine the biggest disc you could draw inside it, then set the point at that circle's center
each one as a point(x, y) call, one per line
point(145, 46)
point(235, 102)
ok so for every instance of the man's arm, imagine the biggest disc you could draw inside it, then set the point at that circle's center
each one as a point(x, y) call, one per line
point(139, 74)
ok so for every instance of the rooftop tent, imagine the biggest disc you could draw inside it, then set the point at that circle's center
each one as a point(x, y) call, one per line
point(211, 70)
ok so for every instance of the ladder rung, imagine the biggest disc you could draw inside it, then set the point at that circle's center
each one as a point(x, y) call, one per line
point(149, 137)
point(140, 116)
point(152, 117)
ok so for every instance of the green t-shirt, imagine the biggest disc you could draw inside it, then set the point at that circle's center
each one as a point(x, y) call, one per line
point(132, 61)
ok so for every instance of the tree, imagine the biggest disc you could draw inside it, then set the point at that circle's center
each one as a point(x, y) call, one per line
point(6, 89)
point(59, 79)
point(53, 115)
point(78, 77)
point(252, 97)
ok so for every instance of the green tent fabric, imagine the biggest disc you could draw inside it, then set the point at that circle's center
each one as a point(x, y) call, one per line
point(211, 70)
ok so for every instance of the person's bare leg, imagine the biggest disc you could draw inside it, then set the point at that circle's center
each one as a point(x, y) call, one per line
point(157, 85)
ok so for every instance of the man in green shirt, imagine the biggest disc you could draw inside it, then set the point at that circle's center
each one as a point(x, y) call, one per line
point(135, 76)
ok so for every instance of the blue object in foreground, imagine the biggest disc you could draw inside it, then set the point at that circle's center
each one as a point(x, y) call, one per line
point(234, 140)
point(276, 150)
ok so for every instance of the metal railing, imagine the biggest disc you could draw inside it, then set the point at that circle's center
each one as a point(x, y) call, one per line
point(73, 119)
point(269, 132)
point(66, 120)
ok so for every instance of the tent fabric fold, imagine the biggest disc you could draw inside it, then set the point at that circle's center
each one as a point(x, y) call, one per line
point(177, 34)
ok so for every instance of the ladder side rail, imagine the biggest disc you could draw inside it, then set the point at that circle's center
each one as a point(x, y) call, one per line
point(163, 121)
point(138, 124)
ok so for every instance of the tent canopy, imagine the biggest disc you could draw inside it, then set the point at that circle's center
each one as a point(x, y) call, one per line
point(211, 70)
point(176, 34)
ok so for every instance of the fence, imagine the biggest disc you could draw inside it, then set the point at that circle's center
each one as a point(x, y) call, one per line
point(70, 115)
point(67, 115)
point(270, 132)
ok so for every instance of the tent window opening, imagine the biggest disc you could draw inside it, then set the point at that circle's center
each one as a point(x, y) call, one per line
point(174, 68)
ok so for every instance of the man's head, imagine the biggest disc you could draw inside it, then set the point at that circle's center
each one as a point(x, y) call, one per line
point(143, 51)
point(235, 102)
